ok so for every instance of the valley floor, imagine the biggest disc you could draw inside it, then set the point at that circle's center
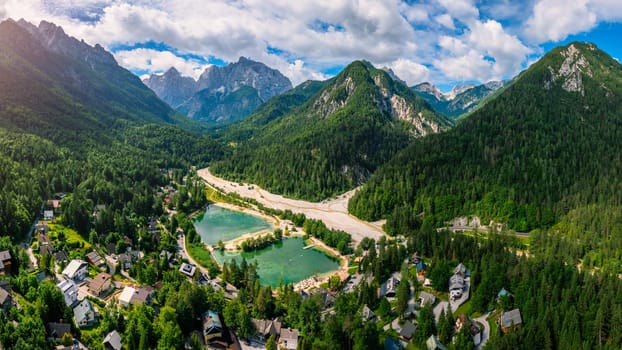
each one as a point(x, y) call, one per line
point(333, 212)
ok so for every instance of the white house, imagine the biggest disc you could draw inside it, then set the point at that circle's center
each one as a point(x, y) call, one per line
point(70, 291)
point(126, 296)
point(76, 270)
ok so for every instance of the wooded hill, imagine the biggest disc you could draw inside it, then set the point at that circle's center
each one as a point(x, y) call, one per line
point(331, 142)
point(547, 144)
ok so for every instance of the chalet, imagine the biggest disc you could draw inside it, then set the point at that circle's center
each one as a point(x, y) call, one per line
point(5, 262)
point(85, 314)
point(433, 344)
point(187, 269)
point(212, 326)
point(57, 330)
point(111, 248)
point(426, 298)
point(456, 286)
point(267, 328)
point(407, 331)
point(465, 321)
point(95, 259)
point(76, 270)
point(6, 285)
point(288, 339)
point(100, 284)
point(70, 292)
point(326, 297)
point(510, 319)
point(389, 288)
point(461, 270)
point(112, 341)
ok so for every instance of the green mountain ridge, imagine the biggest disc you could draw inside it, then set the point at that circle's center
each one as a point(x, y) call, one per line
point(548, 143)
point(331, 142)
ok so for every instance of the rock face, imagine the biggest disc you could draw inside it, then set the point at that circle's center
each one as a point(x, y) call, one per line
point(571, 70)
point(462, 98)
point(221, 94)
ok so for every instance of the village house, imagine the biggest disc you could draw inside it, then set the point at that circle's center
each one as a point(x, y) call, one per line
point(510, 319)
point(433, 344)
point(76, 270)
point(212, 327)
point(112, 341)
point(367, 314)
point(6, 300)
point(457, 282)
point(70, 292)
point(61, 257)
point(95, 259)
point(426, 298)
point(135, 296)
point(56, 330)
point(85, 314)
point(42, 228)
point(464, 321)
point(288, 339)
point(266, 328)
point(503, 293)
point(100, 284)
point(188, 269)
point(48, 215)
point(389, 288)
point(5, 262)
point(407, 331)
point(45, 246)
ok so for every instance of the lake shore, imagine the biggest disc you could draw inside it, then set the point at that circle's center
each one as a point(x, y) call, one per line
point(333, 212)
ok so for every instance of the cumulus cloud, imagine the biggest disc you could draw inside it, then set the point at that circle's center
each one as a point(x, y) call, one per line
point(411, 72)
point(554, 20)
point(443, 39)
point(445, 20)
point(155, 61)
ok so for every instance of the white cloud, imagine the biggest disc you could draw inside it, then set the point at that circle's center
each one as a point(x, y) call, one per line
point(155, 61)
point(463, 10)
point(554, 20)
point(470, 66)
point(409, 71)
point(445, 20)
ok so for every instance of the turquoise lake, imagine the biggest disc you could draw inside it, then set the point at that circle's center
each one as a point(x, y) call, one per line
point(218, 223)
point(287, 260)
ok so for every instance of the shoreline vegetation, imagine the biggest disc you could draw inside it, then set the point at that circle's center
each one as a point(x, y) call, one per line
point(287, 223)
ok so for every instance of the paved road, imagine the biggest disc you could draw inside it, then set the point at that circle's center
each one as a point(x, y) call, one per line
point(485, 332)
point(482, 229)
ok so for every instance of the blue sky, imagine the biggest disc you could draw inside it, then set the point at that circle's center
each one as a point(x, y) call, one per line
point(446, 42)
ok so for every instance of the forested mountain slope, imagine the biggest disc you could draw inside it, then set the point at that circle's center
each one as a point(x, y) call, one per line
point(460, 100)
point(549, 143)
point(332, 142)
point(72, 120)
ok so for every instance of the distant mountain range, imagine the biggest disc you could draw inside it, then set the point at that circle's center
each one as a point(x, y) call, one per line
point(323, 138)
point(221, 95)
point(462, 99)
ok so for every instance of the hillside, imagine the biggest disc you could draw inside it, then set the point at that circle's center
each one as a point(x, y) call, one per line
point(461, 100)
point(73, 121)
point(333, 141)
point(549, 143)
point(221, 95)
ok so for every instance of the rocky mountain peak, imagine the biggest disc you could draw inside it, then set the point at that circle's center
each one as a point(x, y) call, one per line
point(574, 65)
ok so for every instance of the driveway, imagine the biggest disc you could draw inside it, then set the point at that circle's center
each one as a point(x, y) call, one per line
point(442, 305)
point(465, 295)
point(485, 332)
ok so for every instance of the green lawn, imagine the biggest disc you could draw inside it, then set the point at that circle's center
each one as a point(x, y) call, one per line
point(72, 237)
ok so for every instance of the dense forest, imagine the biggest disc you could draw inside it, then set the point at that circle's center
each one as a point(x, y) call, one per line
point(525, 158)
point(329, 144)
